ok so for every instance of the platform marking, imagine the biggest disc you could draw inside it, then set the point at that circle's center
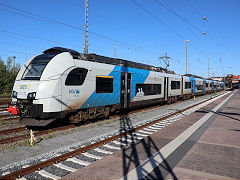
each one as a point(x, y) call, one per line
point(123, 139)
point(5, 173)
point(143, 135)
point(134, 136)
point(62, 166)
point(157, 126)
point(150, 130)
point(47, 174)
point(25, 166)
point(92, 155)
point(148, 165)
point(44, 159)
point(22, 178)
point(102, 151)
point(119, 143)
point(78, 161)
point(160, 124)
point(145, 132)
point(154, 128)
point(111, 147)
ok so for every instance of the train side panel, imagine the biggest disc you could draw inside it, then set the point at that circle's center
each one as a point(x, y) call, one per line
point(174, 85)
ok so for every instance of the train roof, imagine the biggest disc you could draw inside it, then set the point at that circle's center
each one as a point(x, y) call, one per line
point(106, 60)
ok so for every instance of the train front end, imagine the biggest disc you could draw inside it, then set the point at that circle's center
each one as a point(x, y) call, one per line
point(37, 91)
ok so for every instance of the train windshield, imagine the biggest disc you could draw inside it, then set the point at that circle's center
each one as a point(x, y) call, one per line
point(36, 67)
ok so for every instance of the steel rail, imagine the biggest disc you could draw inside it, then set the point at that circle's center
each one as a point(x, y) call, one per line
point(4, 102)
point(3, 109)
point(41, 165)
point(9, 119)
point(6, 115)
point(7, 131)
point(36, 134)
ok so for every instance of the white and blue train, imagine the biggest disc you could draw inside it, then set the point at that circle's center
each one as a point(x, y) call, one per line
point(62, 83)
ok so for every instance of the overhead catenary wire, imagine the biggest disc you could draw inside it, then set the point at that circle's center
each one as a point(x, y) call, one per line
point(119, 25)
point(192, 25)
point(168, 27)
point(32, 37)
point(42, 18)
point(51, 21)
point(184, 20)
point(179, 16)
point(214, 27)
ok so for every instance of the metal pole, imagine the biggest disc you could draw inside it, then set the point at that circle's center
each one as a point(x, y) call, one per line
point(186, 54)
point(114, 51)
point(86, 28)
point(14, 64)
point(208, 68)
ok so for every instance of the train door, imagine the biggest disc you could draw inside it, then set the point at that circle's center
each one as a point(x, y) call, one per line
point(125, 90)
point(193, 86)
point(182, 87)
point(166, 79)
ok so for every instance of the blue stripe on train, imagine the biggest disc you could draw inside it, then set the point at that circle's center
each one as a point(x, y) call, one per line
point(138, 76)
point(193, 84)
point(204, 85)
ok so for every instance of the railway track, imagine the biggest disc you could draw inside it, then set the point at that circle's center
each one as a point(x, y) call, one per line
point(4, 101)
point(63, 164)
point(26, 134)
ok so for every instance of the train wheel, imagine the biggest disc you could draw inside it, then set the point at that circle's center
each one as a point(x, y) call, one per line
point(106, 112)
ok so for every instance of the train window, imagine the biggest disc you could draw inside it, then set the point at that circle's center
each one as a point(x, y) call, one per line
point(199, 87)
point(104, 84)
point(76, 77)
point(187, 85)
point(148, 89)
point(175, 84)
point(36, 67)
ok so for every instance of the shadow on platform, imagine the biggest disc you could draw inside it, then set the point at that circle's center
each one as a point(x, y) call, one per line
point(131, 156)
point(225, 114)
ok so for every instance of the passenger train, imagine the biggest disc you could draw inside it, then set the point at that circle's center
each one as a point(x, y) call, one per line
point(62, 83)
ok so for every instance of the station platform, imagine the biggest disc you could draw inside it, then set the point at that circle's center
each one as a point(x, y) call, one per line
point(202, 145)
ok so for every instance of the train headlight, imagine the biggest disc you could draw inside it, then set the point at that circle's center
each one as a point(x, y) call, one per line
point(14, 94)
point(31, 95)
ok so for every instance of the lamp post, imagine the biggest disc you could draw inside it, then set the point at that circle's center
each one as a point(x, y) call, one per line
point(186, 54)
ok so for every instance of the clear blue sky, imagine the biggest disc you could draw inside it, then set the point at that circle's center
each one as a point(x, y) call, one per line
point(138, 35)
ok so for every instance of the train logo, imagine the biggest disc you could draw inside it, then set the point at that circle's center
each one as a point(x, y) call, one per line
point(73, 91)
point(140, 94)
point(24, 86)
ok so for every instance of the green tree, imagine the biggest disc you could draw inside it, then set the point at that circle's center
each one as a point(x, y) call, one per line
point(9, 64)
point(3, 76)
point(7, 76)
point(18, 67)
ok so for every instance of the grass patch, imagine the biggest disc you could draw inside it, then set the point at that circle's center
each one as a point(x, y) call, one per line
point(100, 123)
point(49, 136)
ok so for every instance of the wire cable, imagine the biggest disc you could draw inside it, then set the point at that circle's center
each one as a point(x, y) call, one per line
point(38, 17)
